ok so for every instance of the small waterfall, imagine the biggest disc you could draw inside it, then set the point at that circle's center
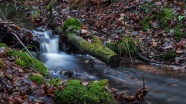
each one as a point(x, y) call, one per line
point(49, 42)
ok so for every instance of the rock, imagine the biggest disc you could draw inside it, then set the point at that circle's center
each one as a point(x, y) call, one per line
point(2, 49)
point(1, 74)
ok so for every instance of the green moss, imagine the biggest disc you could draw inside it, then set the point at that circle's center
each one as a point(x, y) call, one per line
point(169, 55)
point(163, 23)
point(3, 45)
point(146, 23)
point(1, 63)
point(35, 13)
point(112, 46)
point(168, 13)
point(25, 60)
point(20, 62)
point(71, 24)
point(51, 4)
point(40, 67)
point(178, 31)
point(76, 93)
point(56, 82)
point(147, 7)
point(37, 78)
point(164, 17)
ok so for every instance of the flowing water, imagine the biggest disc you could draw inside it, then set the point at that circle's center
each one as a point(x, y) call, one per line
point(163, 89)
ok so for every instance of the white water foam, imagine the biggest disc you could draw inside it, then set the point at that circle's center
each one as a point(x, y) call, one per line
point(49, 43)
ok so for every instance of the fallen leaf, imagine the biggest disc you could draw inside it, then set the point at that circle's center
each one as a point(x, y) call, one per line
point(179, 50)
point(51, 90)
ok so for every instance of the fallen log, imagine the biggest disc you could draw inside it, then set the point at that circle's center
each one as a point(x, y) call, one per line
point(96, 49)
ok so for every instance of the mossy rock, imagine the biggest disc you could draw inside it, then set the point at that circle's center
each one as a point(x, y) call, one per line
point(25, 60)
point(39, 79)
point(169, 55)
point(71, 24)
point(178, 32)
point(76, 93)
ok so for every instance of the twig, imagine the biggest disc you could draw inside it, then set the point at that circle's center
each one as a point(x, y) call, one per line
point(18, 38)
point(21, 42)
point(148, 60)
point(6, 22)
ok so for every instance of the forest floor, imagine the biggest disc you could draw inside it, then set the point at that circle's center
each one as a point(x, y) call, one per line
point(158, 27)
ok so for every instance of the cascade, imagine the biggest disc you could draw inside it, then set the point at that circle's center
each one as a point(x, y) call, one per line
point(49, 42)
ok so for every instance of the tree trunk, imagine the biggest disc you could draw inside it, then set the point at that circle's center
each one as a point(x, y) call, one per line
point(96, 49)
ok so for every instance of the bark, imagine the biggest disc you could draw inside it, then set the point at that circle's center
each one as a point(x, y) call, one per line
point(96, 49)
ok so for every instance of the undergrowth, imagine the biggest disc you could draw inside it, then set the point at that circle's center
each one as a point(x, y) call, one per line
point(169, 55)
point(3, 45)
point(127, 46)
point(179, 32)
point(146, 23)
point(77, 93)
point(24, 60)
point(55, 82)
point(163, 17)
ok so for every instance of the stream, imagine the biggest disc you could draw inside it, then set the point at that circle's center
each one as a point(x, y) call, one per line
point(163, 89)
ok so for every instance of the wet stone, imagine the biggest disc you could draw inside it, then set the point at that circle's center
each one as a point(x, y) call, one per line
point(2, 49)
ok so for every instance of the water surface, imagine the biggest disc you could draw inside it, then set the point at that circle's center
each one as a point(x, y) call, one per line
point(163, 89)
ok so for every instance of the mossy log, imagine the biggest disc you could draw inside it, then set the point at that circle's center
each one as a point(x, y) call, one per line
point(96, 49)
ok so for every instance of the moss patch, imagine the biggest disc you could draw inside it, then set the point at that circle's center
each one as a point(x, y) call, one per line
point(169, 55)
point(3, 45)
point(164, 17)
point(37, 78)
point(1, 63)
point(179, 31)
point(71, 24)
point(25, 60)
point(51, 4)
point(146, 23)
point(20, 62)
point(35, 13)
point(76, 93)
point(55, 82)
